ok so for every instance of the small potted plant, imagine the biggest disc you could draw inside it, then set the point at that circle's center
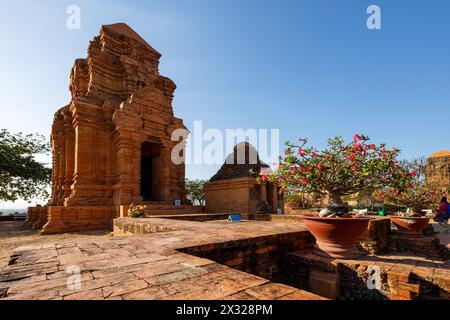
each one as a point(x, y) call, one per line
point(339, 170)
point(263, 207)
point(411, 219)
point(137, 211)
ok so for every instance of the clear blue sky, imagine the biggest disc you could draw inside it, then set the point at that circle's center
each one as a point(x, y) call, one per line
point(310, 68)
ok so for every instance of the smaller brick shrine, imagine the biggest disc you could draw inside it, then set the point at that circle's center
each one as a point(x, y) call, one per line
point(234, 190)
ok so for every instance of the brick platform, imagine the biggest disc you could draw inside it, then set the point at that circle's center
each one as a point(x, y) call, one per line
point(147, 266)
point(37, 217)
point(429, 247)
point(78, 218)
point(176, 259)
point(402, 277)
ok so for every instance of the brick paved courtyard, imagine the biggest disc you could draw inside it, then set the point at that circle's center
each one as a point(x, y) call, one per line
point(168, 261)
point(143, 266)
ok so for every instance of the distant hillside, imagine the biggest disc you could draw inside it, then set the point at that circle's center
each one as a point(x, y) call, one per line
point(7, 212)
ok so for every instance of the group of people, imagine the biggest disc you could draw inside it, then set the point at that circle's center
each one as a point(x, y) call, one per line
point(443, 214)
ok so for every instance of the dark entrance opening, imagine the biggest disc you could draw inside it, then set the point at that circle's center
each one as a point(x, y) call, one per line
point(150, 171)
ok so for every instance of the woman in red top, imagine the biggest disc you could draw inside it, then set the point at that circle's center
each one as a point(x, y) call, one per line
point(443, 214)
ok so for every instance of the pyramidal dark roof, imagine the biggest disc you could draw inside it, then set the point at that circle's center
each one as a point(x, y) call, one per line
point(231, 169)
point(127, 31)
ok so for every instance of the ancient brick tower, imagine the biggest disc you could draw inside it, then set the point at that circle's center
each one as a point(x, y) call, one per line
point(112, 144)
point(438, 170)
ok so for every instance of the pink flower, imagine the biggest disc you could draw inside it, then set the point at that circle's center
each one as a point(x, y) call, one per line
point(354, 168)
point(264, 178)
point(304, 181)
point(357, 138)
point(319, 166)
point(315, 154)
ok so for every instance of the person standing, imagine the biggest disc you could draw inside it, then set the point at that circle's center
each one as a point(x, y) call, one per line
point(443, 214)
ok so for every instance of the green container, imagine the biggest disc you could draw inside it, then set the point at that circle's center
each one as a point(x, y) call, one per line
point(381, 212)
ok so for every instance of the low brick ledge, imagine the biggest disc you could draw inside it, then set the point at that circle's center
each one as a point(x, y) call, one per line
point(402, 277)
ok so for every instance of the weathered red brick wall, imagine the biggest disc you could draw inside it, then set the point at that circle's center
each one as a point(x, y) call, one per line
point(261, 256)
point(37, 217)
point(80, 218)
point(429, 247)
point(348, 279)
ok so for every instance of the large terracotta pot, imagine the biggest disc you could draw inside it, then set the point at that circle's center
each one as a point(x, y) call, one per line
point(409, 226)
point(336, 237)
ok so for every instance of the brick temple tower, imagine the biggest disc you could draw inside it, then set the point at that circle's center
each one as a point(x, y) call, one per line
point(111, 144)
point(438, 170)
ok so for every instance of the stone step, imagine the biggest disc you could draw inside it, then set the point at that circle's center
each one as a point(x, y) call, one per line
point(172, 209)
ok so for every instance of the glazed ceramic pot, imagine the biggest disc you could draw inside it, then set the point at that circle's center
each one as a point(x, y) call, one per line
point(336, 237)
point(410, 226)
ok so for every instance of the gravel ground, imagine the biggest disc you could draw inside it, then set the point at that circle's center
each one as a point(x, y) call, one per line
point(13, 235)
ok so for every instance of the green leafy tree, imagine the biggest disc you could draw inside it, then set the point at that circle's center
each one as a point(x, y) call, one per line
point(21, 175)
point(417, 165)
point(195, 191)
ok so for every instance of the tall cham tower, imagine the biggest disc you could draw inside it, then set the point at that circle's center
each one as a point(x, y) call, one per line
point(111, 144)
point(438, 170)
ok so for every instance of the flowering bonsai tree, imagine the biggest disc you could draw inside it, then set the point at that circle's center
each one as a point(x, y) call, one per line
point(419, 195)
point(340, 169)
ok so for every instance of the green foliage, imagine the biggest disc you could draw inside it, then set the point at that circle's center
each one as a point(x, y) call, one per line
point(195, 191)
point(301, 200)
point(418, 166)
point(136, 211)
point(21, 176)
